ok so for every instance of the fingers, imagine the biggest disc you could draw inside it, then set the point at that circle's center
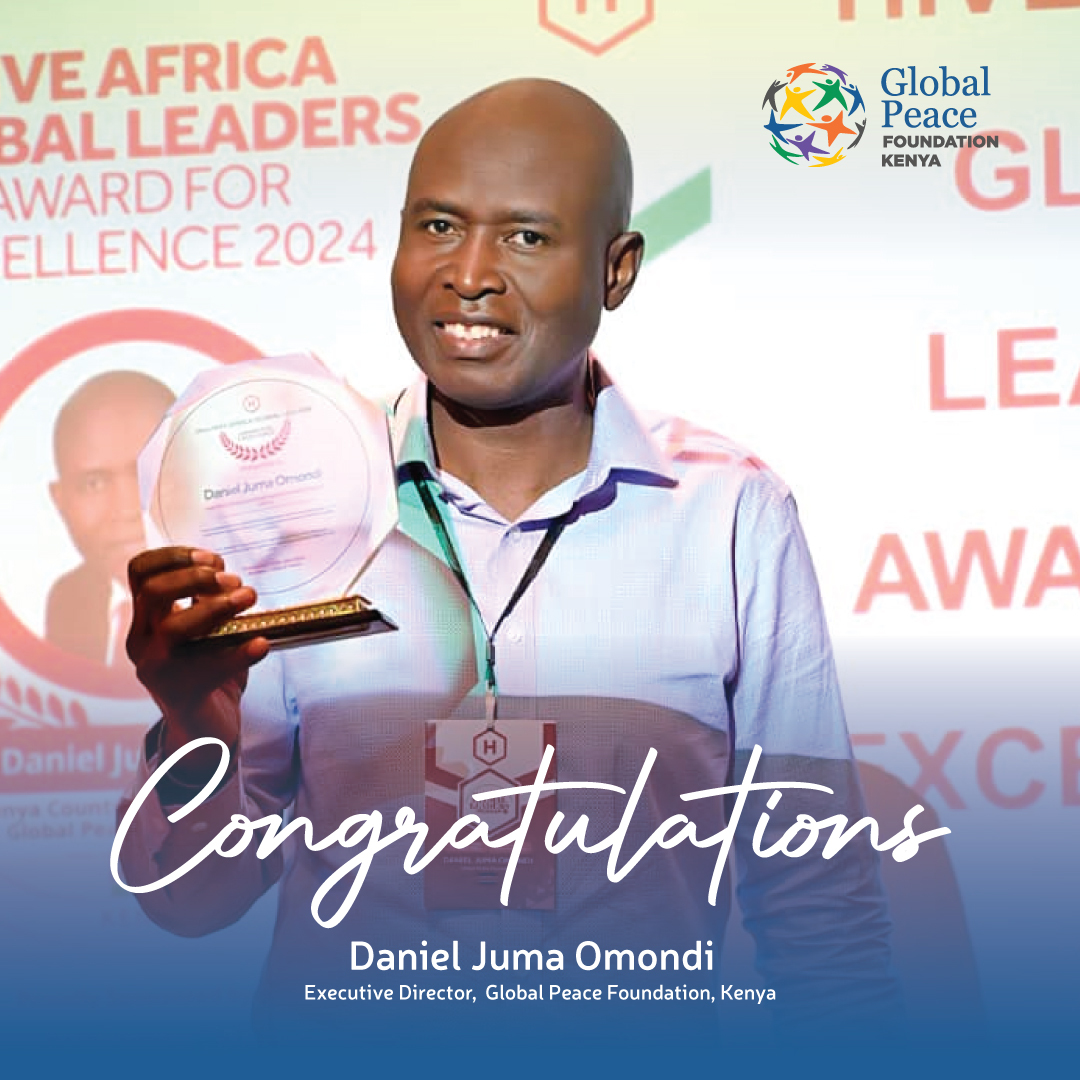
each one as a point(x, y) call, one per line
point(161, 579)
point(210, 611)
point(180, 594)
point(217, 594)
point(148, 564)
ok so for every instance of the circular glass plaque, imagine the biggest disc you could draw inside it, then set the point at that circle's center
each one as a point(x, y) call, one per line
point(273, 473)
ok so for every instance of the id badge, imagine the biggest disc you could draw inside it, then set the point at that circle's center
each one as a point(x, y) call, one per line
point(463, 757)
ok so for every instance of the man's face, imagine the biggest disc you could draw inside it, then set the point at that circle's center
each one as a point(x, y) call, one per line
point(499, 278)
point(97, 493)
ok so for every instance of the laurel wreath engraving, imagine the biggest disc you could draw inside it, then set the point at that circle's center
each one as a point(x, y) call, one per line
point(257, 453)
point(27, 709)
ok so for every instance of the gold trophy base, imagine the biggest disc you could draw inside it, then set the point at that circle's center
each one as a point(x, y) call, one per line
point(303, 624)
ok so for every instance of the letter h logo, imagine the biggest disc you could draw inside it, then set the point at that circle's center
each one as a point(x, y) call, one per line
point(489, 747)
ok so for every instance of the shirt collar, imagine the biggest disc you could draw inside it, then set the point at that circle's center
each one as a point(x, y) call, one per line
point(621, 443)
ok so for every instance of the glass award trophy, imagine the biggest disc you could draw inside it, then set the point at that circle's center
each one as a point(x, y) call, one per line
point(286, 472)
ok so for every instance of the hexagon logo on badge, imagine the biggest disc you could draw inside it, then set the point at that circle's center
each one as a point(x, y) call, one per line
point(489, 747)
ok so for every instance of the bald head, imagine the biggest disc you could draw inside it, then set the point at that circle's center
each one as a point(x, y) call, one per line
point(559, 122)
point(126, 398)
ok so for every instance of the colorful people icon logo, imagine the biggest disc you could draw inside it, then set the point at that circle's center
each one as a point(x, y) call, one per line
point(816, 115)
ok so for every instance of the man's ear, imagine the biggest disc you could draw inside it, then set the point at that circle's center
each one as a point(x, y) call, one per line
point(623, 262)
point(61, 496)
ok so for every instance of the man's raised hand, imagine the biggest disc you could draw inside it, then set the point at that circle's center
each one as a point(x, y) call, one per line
point(198, 692)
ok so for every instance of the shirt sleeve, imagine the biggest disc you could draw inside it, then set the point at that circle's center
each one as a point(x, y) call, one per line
point(821, 926)
point(261, 780)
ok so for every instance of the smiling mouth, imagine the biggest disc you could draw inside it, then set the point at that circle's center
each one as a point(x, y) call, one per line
point(473, 333)
point(472, 340)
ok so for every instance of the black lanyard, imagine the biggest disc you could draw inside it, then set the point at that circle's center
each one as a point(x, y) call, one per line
point(554, 530)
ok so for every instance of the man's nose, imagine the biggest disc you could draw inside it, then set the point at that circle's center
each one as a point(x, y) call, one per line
point(126, 505)
point(474, 270)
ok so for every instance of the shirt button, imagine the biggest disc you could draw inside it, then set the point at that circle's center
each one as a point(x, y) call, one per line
point(513, 635)
point(513, 535)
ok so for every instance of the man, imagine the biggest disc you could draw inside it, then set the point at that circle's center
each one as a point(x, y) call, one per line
point(97, 437)
point(638, 588)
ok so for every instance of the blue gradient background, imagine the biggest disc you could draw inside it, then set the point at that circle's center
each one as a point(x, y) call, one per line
point(95, 988)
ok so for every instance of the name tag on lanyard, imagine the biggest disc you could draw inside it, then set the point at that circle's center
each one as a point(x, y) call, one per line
point(466, 758)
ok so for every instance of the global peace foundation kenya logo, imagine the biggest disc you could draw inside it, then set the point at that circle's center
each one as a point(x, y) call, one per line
point(813, 115)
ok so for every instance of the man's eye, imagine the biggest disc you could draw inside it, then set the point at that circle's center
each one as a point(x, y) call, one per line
point(93, 483)
point(438, 227)
point(528, 238)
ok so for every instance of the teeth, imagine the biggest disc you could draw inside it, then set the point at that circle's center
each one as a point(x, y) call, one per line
point(475, 332)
